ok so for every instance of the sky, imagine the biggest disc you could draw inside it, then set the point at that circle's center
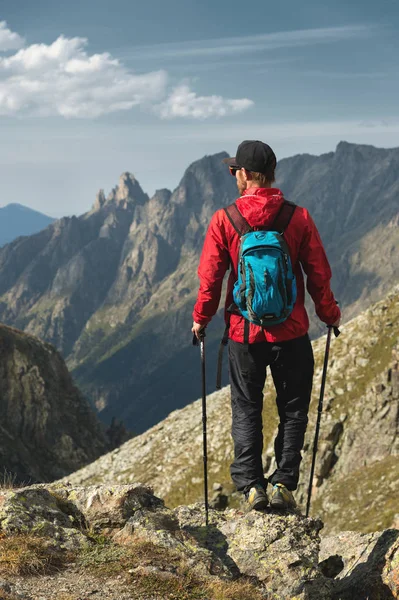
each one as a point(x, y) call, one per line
point(92, 88)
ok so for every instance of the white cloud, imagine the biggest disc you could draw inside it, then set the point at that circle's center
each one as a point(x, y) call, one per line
point(253, 43)
point(63, 79)
point(8, 39)
point(183, 102)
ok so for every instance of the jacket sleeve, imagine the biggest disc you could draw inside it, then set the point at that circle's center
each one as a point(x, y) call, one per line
point(213, 265)
point(316, 266)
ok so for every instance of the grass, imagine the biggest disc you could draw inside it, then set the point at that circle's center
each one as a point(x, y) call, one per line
point(9, 480)
point(159, 572)
point(26, 554)
point(189, 587)
point(379, 355)
point(103, 558)
point(369, 497)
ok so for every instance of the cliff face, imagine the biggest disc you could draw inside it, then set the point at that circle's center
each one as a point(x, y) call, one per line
point(114, 289)
point(47, 428)
point(358, 446)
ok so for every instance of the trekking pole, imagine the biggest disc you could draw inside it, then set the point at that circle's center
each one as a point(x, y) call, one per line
point(319, 411)
point(205, 454)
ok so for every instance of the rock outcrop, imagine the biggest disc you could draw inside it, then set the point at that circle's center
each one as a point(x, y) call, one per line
point(363, 565)
point(272, 555)
point(47, 429)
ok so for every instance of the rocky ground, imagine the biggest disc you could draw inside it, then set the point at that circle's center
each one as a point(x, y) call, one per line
point(60, 542)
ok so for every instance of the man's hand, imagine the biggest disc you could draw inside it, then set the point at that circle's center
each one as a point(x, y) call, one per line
point(337, 322)
point(196, 329)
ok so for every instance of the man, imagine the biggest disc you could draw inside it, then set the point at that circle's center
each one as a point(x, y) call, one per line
point(284, 347)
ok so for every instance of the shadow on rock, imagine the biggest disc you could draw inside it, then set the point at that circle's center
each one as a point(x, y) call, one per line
point(213, 539)
point(366, 580)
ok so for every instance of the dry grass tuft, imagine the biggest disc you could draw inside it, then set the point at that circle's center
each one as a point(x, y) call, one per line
point(8, 481)
point(25, 554)
point(224, 590)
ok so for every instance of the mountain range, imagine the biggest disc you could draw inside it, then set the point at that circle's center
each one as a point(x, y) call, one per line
point(113, 289)
point(17, 220)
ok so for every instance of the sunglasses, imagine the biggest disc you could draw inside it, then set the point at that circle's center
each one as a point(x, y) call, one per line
point(233, 170)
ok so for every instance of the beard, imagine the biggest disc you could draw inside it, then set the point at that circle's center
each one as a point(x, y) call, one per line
point(241, 187)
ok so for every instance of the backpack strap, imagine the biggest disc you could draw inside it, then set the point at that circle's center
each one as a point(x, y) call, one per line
point(237, 220)
point(284, 216)
point(223, 343)
point(242, 226)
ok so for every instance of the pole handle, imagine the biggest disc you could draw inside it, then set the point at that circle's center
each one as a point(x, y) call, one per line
point(201, 334)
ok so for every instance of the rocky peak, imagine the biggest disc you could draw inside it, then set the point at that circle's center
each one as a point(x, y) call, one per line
point(99, 201)
point(206, 169)
point(206, 183)
point(366, 152)
point(343, 147)
point(162, 196)
point(207, 162)
point(128, 192)
point(128, 189)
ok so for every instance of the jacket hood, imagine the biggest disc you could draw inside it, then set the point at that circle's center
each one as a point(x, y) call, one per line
point(259, 206)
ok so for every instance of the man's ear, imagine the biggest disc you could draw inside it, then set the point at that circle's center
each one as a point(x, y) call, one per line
point(247, 175)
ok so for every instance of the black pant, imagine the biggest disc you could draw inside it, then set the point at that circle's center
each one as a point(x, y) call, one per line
point(291, 364)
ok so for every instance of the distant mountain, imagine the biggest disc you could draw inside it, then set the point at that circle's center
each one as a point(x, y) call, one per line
point(114, 289)
point(17, 220)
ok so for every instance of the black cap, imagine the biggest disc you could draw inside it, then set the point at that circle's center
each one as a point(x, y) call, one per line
point(253, 155)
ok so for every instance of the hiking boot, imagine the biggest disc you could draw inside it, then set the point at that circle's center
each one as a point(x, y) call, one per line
point(281, 497)
point(256, 497)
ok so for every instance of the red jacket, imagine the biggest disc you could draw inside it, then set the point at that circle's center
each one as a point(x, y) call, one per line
point(259, 206)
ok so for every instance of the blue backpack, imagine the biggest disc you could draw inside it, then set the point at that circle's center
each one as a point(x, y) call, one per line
point(265, 291)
